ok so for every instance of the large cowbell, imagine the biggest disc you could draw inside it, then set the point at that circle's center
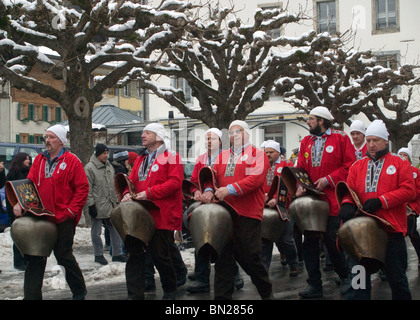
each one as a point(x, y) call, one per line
point(363, 239)
point(310, 213)
point(34, 236)
point(211, 227)
point(131, 218)
point(272, 225)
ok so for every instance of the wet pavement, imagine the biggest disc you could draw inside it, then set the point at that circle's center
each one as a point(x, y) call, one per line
point(284, 287)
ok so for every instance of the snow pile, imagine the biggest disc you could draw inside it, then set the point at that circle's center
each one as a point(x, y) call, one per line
point(54, 280)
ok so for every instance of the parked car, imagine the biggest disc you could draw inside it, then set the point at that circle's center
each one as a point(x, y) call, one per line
point(7, 151)
point(113, 149)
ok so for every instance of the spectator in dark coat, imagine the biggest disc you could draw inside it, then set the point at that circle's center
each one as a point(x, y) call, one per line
point(19, 169)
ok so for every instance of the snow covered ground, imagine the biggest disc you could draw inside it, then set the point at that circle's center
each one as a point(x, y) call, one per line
point(94, 273)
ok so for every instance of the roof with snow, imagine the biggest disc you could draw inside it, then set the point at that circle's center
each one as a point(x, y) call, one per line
point(109, 114)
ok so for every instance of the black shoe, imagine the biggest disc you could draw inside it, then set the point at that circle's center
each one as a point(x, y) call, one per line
point(191, 277)
point(283, 260)
point(293, 272)
point(120, 258)
point(197, 287)
point(310, 292)
point(101, 260)
point(345, 285)
point(169, 295)
point(238, 281)
point(181, 281)
point(79, 296)
point(20, 267)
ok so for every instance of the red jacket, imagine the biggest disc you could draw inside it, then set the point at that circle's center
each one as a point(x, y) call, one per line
point(248, 180)
point(361, 152)
point(163, 186)
point(415, 204)
point(337, 157)
point(66, 191)
point(394, 187)
point(276, 172)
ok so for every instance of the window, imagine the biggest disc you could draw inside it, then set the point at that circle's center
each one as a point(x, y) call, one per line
point(127, 90)
point(385, 16)
point(23, 138)
point(275, 33)
point(388, 60)
point(275, 132)
point(326, 17)
point(181, 83)
point(38, 113)
point(23, 111)
point(51, 113)
point(38, 138)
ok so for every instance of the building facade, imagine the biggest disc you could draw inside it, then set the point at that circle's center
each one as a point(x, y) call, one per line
point(386, 27)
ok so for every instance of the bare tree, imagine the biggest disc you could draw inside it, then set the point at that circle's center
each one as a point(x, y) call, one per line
point(84, 35)
point(349, 82)
point(230, 66)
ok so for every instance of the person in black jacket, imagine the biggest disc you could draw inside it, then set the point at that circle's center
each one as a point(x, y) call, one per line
point(120, 162)
point(2, 175)
point(19, 169)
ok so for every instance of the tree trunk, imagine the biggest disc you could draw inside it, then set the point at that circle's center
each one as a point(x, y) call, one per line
point(399, 140)
point(80, 126)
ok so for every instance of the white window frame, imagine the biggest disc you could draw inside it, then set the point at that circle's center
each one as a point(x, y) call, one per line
point(387, 29)
point(335, 19)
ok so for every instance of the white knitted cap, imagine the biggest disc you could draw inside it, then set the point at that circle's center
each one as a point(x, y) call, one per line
point(322, 112)
point(407, 151)
point(160, 131)
point(60, 131)
point(273, 144)
point(378, 129)
point(216, 131)
point(357, 125)
point(242, 124)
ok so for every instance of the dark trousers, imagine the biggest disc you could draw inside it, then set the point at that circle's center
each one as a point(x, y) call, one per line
point(179, 265)
point(311, 251)
point(413, 234)
point(245, 247)
point(159, 247)
point(63, 252)
point(286, 245)
point(202, 268)
point(395, 270)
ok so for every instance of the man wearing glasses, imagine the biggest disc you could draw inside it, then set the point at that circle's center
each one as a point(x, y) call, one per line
point(240, 173)
point(326, 155)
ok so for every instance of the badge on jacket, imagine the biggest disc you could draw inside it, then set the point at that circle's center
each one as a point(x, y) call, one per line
point(391, 170)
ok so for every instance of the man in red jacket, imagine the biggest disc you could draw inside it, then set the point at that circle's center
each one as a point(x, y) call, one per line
point(157, 176)
point(63, 187)
point(240, 174)
point(326, 155)
point(214, 147)
point(202, 264)
point(413, 207)
point(285, 241)
point(384, 184)
point(357, 133)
